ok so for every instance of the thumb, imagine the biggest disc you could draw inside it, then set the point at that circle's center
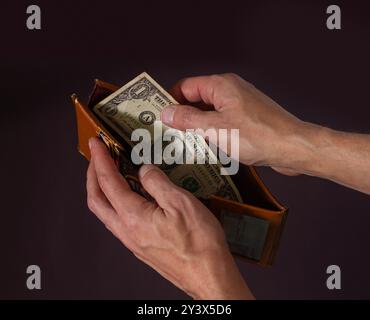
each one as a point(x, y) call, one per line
point(156, 183)
point(184, 117)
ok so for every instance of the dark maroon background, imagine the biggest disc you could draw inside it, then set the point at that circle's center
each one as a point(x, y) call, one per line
point(283, 47)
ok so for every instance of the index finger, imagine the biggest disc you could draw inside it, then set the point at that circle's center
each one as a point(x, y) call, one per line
point(198, 89)
point(112, 183)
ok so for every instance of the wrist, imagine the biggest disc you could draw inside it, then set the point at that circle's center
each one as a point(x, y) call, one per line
point(302, 150)
point(221, 279)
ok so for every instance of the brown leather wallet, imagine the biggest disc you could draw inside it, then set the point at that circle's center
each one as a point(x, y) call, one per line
point(253, 229)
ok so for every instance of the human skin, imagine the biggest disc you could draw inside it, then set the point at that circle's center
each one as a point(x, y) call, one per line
point(269, 135)
point(177, 235)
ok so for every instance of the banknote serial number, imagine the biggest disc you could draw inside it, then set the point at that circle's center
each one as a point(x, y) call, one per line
point(185, 309)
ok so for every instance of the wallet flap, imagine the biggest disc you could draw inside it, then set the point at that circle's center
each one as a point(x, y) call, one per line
point(88, 125)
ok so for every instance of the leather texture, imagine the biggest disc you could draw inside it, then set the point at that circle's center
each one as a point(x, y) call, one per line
point(259, 202)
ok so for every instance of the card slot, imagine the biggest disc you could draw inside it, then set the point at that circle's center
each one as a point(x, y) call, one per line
point(274, 218)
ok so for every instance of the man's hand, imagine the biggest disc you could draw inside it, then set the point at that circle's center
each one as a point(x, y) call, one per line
point(176, 235)
point(269, 135)
point(264, 126)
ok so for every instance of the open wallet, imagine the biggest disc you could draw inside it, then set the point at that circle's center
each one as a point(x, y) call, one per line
point(253, 228)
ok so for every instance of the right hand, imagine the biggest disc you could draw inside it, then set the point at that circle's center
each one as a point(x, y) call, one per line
point(266, 131)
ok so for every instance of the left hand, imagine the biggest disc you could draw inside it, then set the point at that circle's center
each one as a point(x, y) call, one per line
point(176, 235)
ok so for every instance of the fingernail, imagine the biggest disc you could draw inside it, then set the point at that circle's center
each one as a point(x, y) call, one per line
point(167, 114)
point(145, 168)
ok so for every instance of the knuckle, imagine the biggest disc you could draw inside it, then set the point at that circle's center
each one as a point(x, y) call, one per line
point(176, 193)
point(249, 84)
point(218, 79)
point(184, 84)
point(141, 243)
point(91, 203)
point(231, 76)
point(136, 235)
point(150, 176)
point(132, 224)
point(221, 83)
point(153, 180)
point(180, 199)
point(103, 180)
point(110, 228)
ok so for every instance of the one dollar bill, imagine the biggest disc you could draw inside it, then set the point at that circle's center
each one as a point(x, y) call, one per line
point(137, 105)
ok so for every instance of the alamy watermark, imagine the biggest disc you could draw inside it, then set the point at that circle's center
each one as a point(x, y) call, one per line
point(334, 281)
point(33, 21)
point(334, 20)
point(34, 279)
point(172, 147)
